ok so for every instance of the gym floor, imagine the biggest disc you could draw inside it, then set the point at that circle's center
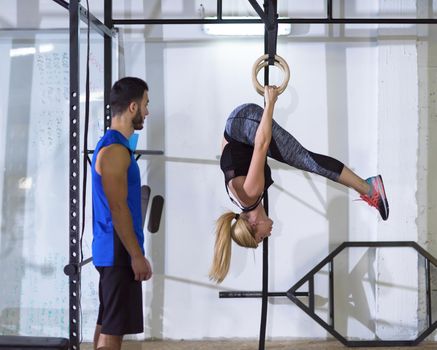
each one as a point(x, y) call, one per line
point(250, 345)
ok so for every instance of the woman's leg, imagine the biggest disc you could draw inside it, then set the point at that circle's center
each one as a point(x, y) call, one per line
point(371, 190)
point(242, 125)
point(350, 179)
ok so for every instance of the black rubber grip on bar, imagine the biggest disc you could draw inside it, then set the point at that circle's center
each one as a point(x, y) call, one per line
point(145, 195)
point(155, 214)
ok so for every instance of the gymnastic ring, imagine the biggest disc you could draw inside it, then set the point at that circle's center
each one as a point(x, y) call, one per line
point(263, 62)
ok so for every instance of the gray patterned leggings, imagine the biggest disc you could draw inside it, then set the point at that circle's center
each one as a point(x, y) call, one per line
point(242, 125)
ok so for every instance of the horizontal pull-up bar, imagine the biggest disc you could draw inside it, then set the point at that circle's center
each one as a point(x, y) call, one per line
point(354, 20)
point(139, 152)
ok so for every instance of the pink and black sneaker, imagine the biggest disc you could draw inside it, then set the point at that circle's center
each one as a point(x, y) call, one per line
point(376, 196)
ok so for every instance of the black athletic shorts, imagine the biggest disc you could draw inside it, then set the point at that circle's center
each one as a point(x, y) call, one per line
point(121, 302)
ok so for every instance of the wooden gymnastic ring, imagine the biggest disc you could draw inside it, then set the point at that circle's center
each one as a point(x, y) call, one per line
point(263, 62)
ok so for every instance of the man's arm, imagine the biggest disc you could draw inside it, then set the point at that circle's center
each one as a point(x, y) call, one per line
point(113, 163)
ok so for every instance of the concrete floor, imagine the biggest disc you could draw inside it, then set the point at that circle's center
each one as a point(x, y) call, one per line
point(250, 345)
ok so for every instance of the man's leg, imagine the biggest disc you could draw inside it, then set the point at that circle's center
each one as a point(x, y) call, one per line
point(109, 342)
point(96, 335)
point(122, 311)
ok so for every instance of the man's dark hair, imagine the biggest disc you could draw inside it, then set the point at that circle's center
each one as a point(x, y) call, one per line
point(125, 91)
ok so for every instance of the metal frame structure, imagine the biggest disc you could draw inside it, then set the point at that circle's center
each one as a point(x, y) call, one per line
point(309, 309)
point(74, 176)
point(73, 269)
point(107, 30)
point(294, 295)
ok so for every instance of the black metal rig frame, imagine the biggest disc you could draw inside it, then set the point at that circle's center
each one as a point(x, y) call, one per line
point(107, 30)
point(309, 309)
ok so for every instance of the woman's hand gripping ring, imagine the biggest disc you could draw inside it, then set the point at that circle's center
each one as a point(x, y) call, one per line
point(263, 62)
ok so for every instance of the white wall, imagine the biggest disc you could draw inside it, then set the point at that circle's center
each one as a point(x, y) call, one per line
point(353, 94)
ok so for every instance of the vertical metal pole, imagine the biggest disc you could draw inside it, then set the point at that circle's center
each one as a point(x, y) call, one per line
point(265, 283)
point(428, 292)
point(107, 65)
point(329, 9)
point(311, 293)
point(219, 9)
point(74, 219)
point(331, 294)
point(266, 40)
point(269, 5)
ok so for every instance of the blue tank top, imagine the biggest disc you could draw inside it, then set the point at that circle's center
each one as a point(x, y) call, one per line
point(107, 248)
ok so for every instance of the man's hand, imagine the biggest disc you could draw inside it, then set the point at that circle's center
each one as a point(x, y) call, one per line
point(141, 268)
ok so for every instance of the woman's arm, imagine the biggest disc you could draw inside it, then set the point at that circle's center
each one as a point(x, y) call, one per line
point(254, 183)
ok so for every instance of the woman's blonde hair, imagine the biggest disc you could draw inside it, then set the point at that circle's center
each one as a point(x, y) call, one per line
point(240, 231)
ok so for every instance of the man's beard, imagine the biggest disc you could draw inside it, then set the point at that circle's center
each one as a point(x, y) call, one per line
point(137, 121)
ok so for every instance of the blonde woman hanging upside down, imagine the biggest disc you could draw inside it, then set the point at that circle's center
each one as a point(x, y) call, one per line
point(250, 135)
